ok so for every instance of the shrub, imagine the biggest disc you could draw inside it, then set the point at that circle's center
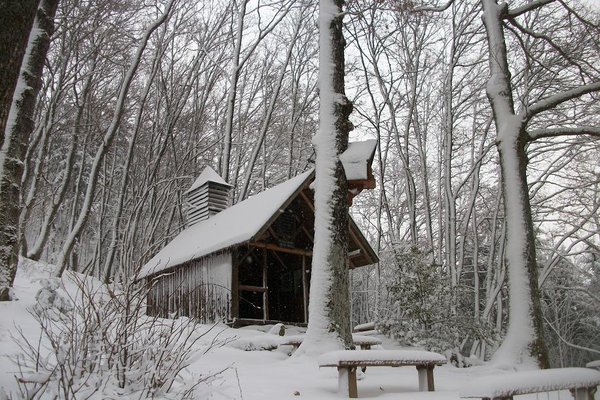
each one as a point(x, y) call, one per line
point(97, 343)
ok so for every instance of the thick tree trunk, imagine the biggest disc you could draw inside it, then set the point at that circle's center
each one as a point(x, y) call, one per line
point(524, 341)
point(524, 337)
point(16, 20)
point(329, 307)
point(17, 130)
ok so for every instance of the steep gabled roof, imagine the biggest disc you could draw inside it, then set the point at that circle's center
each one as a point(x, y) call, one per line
point(243, 222)
point(208, 175)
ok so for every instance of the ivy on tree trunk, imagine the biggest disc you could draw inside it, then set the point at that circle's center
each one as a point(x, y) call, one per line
point(18, 124)
point(329, 307)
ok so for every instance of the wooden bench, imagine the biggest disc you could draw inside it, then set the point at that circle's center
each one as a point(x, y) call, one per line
point(347, 361)
point(367, 329)
point(593, 364)
point(293, 340)
point(364, 342)
point(581, 382)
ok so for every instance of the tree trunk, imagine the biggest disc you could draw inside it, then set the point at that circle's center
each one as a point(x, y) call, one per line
point(270, 109)
point(524, 337)
point(18, 125)
point(329, 307)
point(524, 341)
point(102, 150)
point(233, 81)
point(16, 20)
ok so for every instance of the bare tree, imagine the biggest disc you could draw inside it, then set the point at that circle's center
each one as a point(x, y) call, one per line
point(240, 57)
point(516, 129)
point(106, 142)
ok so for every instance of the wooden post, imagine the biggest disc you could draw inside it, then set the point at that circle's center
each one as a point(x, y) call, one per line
point(235, 284)
point(266, 286)
point(426, 383)
point(347, 382)
point(422, 378)
point(583, 393)
point(305, 288)
point(430, 383)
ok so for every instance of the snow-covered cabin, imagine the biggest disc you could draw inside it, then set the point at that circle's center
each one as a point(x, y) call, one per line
point(248, 263)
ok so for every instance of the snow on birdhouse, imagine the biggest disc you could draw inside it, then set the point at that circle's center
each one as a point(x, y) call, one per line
point(357, 161)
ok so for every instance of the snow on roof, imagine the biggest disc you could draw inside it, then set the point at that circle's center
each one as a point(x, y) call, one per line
point(522, 382)
point(234, 225)
point(356, 158)
point(208, 175)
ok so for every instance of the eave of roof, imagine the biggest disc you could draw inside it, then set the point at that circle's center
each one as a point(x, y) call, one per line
point(238, 224)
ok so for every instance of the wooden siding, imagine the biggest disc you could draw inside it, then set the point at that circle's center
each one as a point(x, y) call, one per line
point(206, 201)
point(200, 289)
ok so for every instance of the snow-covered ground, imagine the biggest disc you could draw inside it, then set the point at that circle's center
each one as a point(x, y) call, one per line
point(248, 375)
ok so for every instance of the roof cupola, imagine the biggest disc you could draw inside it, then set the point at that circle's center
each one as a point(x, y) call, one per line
point(208, 195)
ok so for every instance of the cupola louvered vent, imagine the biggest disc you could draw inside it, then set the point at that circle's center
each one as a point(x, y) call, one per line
point(209, 195)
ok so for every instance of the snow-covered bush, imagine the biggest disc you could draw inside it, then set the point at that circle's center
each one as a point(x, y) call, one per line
point(571, 308)
point(421, 311)
point(97, 343)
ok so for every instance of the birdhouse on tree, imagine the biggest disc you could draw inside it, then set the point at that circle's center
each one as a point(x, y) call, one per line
point(357, 161)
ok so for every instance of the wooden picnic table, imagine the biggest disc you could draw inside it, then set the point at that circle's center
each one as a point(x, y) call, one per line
point(347, 361)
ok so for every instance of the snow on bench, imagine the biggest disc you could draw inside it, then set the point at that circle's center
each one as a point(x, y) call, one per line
point(593, 364)
point(347, 361)
point(369, 326)
point(364, 342)
point(581, 382)
point(366, 329)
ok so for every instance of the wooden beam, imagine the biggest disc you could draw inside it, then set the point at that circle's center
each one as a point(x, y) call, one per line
point(249, 288)
point(285, 205)
point(307, 200)
point(266, 285)
point(274, 247)
point(272, 232)
point(362, 184)
point(305, 287)
point(354, 253)
point(352, 234)
point(358, 242)
point(241, 257)
point(235, 291)
point(283, 265)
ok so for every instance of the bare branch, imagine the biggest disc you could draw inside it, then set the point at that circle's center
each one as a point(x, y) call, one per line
point(581, 289)
point(565, 341)
point(577, 15)
point(551, 42)
point(527, 7)
point(555, 132)
point(436, 9)
point(559, 98)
